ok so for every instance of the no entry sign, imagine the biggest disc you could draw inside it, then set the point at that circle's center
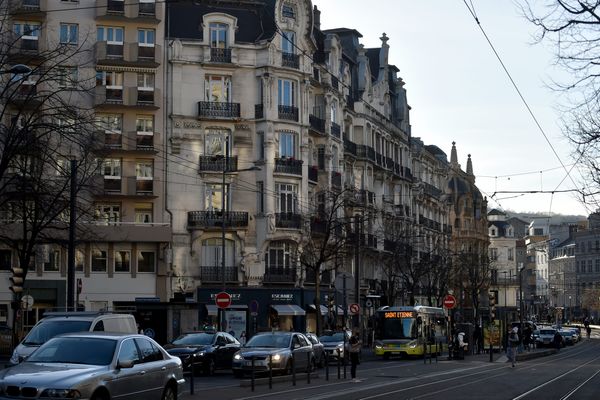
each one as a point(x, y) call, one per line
point(223, 300)
point(449, 301)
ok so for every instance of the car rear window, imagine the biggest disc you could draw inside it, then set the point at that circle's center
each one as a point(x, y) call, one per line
point(45, 331)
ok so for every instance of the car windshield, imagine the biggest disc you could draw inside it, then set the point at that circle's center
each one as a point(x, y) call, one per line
point(75, 350)
point(45, 331)
point(194, 339)
point(275, 341)
point(336, 337)
point(547, 332)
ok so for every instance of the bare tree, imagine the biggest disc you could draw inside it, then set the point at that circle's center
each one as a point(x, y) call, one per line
point(46, 120)
point(325, 241)
point(435, 278)
point(471, 274)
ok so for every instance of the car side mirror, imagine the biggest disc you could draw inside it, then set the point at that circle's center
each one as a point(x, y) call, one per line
point(125, 364)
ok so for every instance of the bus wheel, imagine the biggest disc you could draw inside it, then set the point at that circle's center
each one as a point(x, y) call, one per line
point(386, 356)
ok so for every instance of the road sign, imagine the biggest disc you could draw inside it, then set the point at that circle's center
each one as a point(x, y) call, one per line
point(354, 308)
point(223, 300)
point(449, 301)
point(254, 308)
point(27, 302)
point(369, 303)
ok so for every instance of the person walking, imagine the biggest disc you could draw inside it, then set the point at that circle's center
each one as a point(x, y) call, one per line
point(355, 346)
point(513, 344)
point(557, 340)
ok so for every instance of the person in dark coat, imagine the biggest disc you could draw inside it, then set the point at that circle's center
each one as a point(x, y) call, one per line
point(558, 339)
point(478, 339)
point(526, 337)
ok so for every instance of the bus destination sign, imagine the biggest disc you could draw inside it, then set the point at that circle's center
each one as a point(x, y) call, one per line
point(399, 314)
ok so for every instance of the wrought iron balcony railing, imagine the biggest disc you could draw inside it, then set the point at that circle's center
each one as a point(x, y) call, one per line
point(289, 113)
point(218, 55)
point(217, 109)
point(316, 123)
point(218, 164)
point(280, 275)
point(288, 166)
point(288, 220)
point(214, 219)
point(259, 111)
point(290, 60)
point(349, 147)
point(213, 273)
point(313, 173)
point(336, 131)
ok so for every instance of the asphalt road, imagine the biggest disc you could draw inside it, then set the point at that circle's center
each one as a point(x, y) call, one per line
point(573, 373)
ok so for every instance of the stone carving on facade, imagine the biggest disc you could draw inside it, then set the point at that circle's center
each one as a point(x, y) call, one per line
point(271, 223)
point(177, 48)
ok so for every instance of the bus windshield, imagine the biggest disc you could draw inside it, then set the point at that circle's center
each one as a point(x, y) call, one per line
point(397, 328)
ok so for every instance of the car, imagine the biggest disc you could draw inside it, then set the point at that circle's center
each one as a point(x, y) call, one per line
point(95, 366)
point(546, 337)
point(204, 351)
point(576, 333)
point(318, 349)
point(285, 349)
point(333, 343)
point(56, 323)
point(567, 336)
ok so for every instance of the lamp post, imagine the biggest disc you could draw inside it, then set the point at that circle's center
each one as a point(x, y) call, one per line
point(225, 170)
point(521, 301)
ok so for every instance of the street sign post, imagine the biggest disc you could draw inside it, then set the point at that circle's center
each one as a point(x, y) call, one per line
point(449, 302)
point(223, 300)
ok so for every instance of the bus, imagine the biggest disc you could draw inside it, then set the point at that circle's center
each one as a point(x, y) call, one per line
point(410, 331)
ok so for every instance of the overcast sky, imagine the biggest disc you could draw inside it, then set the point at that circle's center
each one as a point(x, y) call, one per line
point(459, 92)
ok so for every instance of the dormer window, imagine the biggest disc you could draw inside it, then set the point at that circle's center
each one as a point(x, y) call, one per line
point(218, 35)
point(287, 11)
point(288, 40)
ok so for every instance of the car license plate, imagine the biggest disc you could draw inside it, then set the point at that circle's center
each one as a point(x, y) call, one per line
point(395, 352)
point(248, 363)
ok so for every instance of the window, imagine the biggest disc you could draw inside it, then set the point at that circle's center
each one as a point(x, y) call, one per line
point(288, 40)
point(287, 197)
point(79, 260)
point(212, 251)
point(288, 11)
point(589, 269)
point(214, 197)
point(68, 77)
point(143, 213)
point(68, 33)
point(99, 260)
point(597, 266)
point(217, 142)
point(110, 79)
point(494, 254)
point(148, 351)
point(27, 30)
point(260, 197)
point(146, 37)
point(280, 255)
point(108, 213)
point(110, 123)
point(260, 143)
point(286, 92)
point(122, 261)
point(334, 111)
point(110, 34)
point(287, 144)
point(111, 168)
point(144, 170)
point(145, 81)
point(5, 260)
point(218, 35)
point(53, 263)
point(217, 88)
point(145, 261)
point(129, 352)
point(144, 124)
point(511, 256)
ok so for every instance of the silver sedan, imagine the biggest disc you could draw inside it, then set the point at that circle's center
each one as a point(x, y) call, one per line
point(95, 366)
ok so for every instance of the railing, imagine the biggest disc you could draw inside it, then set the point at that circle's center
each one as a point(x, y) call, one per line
point(280, 275)
point(336, 131)
point(146, 52)
point(290, 60)
point(213, 219)
point(145, 97)
point(289, 113)
point(288, 166)
point(431, 190)
point(220, 55)
point(378, 158)
point(216, 109)
point(316, 123)
point(259, 111)
point(349, 147)
point(215, 273)
point(365, 151)
point(336, 180)
point(408, 173)
point(147, 9)
point(218, 163)
point(389, 163)
point(144, 186)
point(112, 185)
point(313, 173)
point(113, 140)
point(114, 51)
point(30, 4)
point(288, 220)
point(30, 45)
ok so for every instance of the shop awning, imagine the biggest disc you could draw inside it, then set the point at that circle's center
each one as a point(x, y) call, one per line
point(324, 310)
point(288, 309)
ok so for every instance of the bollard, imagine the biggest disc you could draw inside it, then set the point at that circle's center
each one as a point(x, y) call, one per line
point(252, 374)
point(270, 371)
point(293, 369)
point(326, 365)
point(192, 379)
point(308, 368)
point(344, 362)
point(491, 352)
point(338, 363)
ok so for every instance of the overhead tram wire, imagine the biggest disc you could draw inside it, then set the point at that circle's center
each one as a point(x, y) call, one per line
point(524, 101)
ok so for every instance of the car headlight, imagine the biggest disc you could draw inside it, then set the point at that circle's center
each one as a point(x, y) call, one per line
point(237, 357)
point(61, 394)
point(378, 346)
point(277, 357)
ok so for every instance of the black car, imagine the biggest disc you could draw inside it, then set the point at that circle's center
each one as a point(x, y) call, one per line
point(207, 351)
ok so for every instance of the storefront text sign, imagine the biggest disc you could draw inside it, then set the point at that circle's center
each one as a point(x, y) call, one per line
point(282, 296)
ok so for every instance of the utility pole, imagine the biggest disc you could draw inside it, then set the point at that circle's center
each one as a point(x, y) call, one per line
point(223, 266)
point(72, 219)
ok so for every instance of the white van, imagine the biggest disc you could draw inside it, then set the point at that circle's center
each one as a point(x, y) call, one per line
point(57, 323)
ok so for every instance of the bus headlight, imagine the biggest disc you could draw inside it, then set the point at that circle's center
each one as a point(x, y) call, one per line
point(412, 344)
point(378, 347)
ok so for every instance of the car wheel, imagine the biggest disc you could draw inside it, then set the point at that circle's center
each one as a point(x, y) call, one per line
point(210, 367)
point(169, 394)
point(238, 374)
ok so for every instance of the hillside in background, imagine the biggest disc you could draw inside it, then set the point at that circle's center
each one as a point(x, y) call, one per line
point(555, 219)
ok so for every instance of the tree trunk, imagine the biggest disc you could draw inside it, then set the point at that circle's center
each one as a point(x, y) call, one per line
point(318, 299)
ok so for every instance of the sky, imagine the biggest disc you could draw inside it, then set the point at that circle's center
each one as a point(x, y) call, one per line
point(459, 92)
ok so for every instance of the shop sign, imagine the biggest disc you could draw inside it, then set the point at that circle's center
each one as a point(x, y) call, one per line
point(282, 296)
point(234, 296)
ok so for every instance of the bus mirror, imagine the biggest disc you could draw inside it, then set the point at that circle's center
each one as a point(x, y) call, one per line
point(419, 320)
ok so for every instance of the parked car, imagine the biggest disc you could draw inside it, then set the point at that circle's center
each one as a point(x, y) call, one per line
point(207, 351)
point(567, 335)
point(284, 348)
point(546, 337)
point(318, 349)
point(56, 323)
point(576, 334)
point(333, 343)
point(96, 366)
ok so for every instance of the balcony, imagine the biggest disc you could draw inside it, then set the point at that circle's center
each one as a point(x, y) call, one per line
point(280, 275)
point(215, 219)
point(336, 131)
point(389, 163)
point(145, 97)
point(363, 198)
point(366, 152)
point(290, 60)
point(113, 140)
point(218, 164)
point(218, 110)
point(214, 274)
point(311, 276)
point(431, 190)
point(408, 173)
point(112, 185)
point(316, 124)
point(313, 173)
point(289, 113)
point(115, 7)
point(147, 9)
point(288, 166)
point(144, 186)
point(336, 180)
point(335, 83)
point(114, 10)
point(34, 9)
point(259, 111)
point(288, 220)
point(218, 55)
point(349, 147)
point(378, 158)
point(144, 142)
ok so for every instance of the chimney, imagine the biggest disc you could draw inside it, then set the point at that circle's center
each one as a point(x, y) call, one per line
point(317, 17)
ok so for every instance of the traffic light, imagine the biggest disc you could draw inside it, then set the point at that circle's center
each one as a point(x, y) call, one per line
point(16, 280)
point(492, 296)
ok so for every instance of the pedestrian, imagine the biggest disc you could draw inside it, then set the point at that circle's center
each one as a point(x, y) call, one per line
point(526, 337)
point(513, 344)
point(557, 340)
point(478, 339)
point(588, 330)
point(355, 346)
